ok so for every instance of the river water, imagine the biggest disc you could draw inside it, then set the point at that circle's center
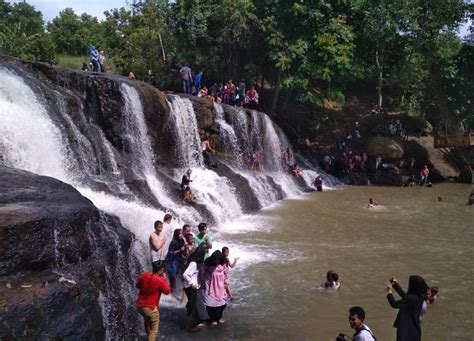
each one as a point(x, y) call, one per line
point(286, 255)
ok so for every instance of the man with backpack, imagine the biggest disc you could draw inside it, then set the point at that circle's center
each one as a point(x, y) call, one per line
point(356, 320)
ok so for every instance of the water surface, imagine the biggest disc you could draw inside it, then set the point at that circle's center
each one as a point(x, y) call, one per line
point(296, 243)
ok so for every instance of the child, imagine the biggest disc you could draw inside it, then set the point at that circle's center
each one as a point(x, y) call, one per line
point(332, 281)
point(372, 203)
point(228, 265)
point(190, 247)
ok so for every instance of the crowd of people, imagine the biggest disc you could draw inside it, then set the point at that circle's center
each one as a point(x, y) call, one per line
point(182, 263)
point(229, 93)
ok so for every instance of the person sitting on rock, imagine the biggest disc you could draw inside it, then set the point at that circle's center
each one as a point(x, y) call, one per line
point(188, 196)
point(186, 180)
point(251, 98)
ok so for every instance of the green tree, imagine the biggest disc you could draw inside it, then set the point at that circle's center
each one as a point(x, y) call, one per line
point(310, 45)
point(22, 33)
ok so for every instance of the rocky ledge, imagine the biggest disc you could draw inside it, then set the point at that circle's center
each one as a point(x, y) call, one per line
point(55, 255)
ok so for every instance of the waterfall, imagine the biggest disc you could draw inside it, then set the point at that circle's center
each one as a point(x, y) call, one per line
point(185, 130)
point(29, 138)
point(227, 135)
point(40, 133)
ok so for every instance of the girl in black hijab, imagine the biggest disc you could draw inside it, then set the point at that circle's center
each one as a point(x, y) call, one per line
point(408, 318)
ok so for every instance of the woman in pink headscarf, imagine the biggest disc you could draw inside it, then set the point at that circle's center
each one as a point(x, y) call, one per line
point(215, 295)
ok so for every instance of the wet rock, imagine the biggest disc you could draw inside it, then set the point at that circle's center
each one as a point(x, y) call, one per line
point(387, 147)
point(55, 247)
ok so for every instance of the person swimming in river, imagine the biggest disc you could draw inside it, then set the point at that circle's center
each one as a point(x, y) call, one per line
point(470, 199)
point(372, 203)
point(318, 183)
point(332, 281)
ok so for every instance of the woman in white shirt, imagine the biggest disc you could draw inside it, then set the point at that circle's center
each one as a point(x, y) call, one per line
point(195, 310)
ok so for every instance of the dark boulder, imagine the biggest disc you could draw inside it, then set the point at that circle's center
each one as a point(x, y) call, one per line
point(58, 254)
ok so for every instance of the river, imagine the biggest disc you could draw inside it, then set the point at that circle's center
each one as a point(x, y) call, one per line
point(293, 244)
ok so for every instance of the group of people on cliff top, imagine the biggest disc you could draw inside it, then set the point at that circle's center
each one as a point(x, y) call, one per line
point(228, 93)
point(182, 263)
point(97, 60)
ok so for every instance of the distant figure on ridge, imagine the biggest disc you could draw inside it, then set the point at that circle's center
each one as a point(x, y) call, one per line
point(94, 56)
point(187, 78)
point(101, 59)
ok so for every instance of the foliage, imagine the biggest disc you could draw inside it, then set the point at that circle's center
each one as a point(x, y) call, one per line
point(22, 34)
point(406, 53)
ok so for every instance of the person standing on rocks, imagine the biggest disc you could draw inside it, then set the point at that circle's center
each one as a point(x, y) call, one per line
point(101, 59)
point(94, 56)
point(151, 286)
point(424, 173)
point(187, 78)
point(157, 243)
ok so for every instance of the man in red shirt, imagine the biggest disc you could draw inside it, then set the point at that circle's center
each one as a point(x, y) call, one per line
point(151, 286)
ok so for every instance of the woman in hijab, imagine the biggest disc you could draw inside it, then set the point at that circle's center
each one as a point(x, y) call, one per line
point(195, 309)
point(215, 295)
point(408, 318)
point(173, 258)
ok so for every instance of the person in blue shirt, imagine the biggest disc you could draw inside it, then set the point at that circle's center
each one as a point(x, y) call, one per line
point(94, 56)
point(197, 81)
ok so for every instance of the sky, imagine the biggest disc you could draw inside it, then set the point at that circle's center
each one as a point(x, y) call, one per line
point(96, 8)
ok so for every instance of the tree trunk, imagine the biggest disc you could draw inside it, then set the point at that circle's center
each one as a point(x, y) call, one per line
point(276, 93)
point(380, 78)
point(162, 48)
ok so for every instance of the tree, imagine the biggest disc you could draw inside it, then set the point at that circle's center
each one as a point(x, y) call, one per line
point(22, 33)
point(310, 45)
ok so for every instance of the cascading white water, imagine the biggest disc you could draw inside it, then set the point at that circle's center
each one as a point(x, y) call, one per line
point(187, 137)
point(139, 140)
point(227, 134)
point(29, 139)
point(273, 147)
